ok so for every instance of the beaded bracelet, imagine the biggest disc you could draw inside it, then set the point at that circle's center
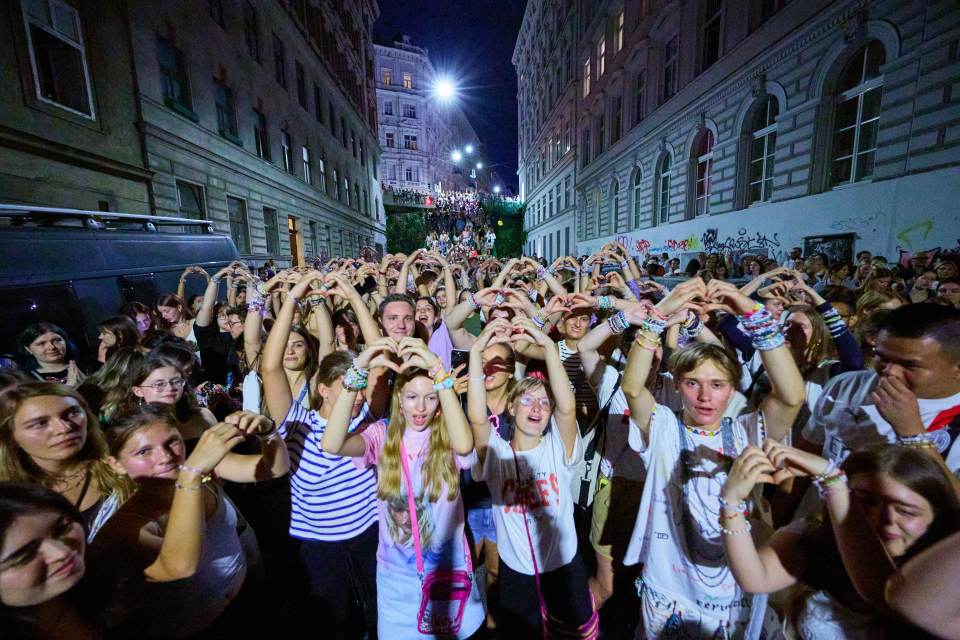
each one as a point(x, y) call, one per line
point(624, 265)
point(823, 486)
point(540, 319)
point(737, 532)
point(499, 300)
point(603, 303)
point(826, 473)
point(541, 272)
point(918, 440)
point(646, 342)
point(446, 383)
point(653, 325)
point(741, 507)
point(473, 301)
point(355, 379)
point(187, 487)
point(617, 323)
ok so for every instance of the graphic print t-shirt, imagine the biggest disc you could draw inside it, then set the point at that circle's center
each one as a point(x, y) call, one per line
point(546, 475)
point(441, 522)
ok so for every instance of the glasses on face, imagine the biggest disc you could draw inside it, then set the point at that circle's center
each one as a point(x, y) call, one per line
point(162, 385)
point(529, 401)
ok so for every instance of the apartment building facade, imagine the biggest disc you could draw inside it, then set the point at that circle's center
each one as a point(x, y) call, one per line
point(258, 116)
point(419, 131)
point(759, 126)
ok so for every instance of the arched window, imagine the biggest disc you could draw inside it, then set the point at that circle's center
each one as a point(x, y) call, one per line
point(598, 214)
point(662, 183)
point(615, 205)
point(637, 202)
point(702, 164)
point(857, 116)
point(763, 132)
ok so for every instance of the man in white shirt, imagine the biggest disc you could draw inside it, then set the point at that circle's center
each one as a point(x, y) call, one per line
point(790, 262)
point(913, 391)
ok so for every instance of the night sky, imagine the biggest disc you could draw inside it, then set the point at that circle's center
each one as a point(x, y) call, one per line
point(473, 41)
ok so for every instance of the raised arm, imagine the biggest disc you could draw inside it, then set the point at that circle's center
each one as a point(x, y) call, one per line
point(337, 284)
point(476, 391)
point(205, 315)
point(272, 461)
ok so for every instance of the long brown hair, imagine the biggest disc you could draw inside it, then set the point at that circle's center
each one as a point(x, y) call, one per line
point(17, 466)
point(439, 468)
point(820, 345)
point(171, 300)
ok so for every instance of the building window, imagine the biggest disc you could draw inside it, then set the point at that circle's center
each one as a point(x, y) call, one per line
point(616, 119)
point(566, 191)
point(638, 220)
point(343, 131)
point(390, 142)
point(333, 119)
point(271, 231)
point(712, 32)
point(409, 110)
point(279, 62)
point(567, 134)
point(216, 11)
point(586, 77)
point(639, 96)
point(559, 201)
point(336, 184)
point(353, 142)
point(346, 189)
point(237, 210)
point(301, 84)
point(763, 145)
point(261, 138)
point(407, 80)
point(601, 56)
point(615, 205)
point(356, 196)
point(663, 190)
point(366, 203)
point(585, 146)
point(601, 134)
point(286, 153)
point(173, 74)
point(317, 104)
point(226, 111)
point(857, 116)
point(409, 142)
point(191, 204)
point(322, 175)
point(386, 76)
point(388, 108)
point(307, 170)
point(702, 165)
point(550, 204)
point(251, 33)
point(58, 56)
point(671, 67)
point(618, 33)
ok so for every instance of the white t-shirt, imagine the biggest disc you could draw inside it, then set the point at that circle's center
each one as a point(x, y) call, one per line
point(618, 458)
point(845, 419)
point(549, 505)
point(660, 541)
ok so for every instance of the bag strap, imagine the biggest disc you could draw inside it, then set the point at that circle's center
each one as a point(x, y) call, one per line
point(415, 523)
point(522, 499)
point(412, 508)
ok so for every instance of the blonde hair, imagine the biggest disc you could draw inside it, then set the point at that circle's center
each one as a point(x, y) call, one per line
point(685, 360)
point(17, 466)
point(439, 468)
point(525, 385)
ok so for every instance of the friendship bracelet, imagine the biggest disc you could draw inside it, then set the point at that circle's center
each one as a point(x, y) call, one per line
point(824, 485)
point(653, 325)
point(603, 303)
point(355, 379)
point(826, 473)
point(473, 301)
point(617, 323)
point(624, 265)
point(446, 383)
point(741, 506)
point(187, 487)
point(737, 532)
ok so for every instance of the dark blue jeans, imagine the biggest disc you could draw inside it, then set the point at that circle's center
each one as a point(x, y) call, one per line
point(343, 576)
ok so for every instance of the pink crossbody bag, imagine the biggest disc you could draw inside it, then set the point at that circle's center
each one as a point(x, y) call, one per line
point(552, 627)
point(444, 592)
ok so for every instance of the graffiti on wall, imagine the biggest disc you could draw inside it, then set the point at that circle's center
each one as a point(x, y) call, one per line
point(868, 222)
point(671, 246)
point(742, 243)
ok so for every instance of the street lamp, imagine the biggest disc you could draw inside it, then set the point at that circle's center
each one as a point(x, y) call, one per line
point(496, 189)
point(444, 89)
point(456, 156)
point(468, 149)
point(479, 165)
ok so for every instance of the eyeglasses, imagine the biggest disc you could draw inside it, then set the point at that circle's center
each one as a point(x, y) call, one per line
point(529, 401)
point(161, 385)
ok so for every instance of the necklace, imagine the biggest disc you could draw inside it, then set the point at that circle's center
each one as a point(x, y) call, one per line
point(702, 432)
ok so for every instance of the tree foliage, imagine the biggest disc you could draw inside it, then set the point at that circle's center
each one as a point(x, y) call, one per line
point(510, 234)
point(405, 232)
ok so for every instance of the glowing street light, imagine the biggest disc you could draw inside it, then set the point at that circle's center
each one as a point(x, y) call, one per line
point(468, 149)
point(456, 156)
point(444, 89)
point(496, 189)
point(479, 165)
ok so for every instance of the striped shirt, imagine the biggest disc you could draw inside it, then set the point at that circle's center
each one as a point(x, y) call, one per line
point(330, 498)
point(585, 395)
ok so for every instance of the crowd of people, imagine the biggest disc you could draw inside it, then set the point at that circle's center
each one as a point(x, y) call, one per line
point(465, 447)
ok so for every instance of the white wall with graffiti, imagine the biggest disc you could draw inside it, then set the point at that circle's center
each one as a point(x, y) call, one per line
point(904, 215)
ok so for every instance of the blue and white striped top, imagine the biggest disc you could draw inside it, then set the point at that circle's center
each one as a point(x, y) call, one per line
point(330, 498)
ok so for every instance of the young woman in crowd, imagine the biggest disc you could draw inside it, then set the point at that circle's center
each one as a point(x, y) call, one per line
point(141, 316)
point(159, 380)
point(530, 475)
point(418, 455)
point(179, 527)
point(176, 317)
point(46, 353)
point(921, 288)
point(703, 600)
point(49, 437)
point(42, 566)
point(908, 502)
point(106, 389)
point(118, 332)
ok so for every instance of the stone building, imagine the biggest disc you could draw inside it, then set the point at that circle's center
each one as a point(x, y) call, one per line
point(258, 116)
point(418, 130)
point(757, 126)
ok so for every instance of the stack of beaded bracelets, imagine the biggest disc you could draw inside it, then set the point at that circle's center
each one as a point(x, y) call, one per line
point(355, 379)
point(830, 476)
point(919, 441)
point(603, 303)
point(692, 326)
point(617, 323)
point(763, 328)
point(204, 478)
point(540, 319)
point(740, 509)
point(442, 379)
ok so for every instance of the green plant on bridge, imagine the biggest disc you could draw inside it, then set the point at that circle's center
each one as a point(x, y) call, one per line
point(405, 232)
